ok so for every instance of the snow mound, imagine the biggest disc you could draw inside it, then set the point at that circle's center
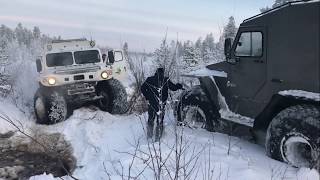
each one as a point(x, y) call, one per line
point(307, 174)
point(43, 177)
point(9, 112)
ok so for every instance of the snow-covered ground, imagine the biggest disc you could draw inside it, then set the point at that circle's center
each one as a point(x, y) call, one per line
point(104, 145)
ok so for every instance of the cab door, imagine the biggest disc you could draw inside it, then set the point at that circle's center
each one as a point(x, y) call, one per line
point(119, 67)
point(248, 74)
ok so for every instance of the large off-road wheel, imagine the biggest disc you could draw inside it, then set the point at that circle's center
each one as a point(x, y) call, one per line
point(114, 97)
point(119, 97)
point(195, 111)
point(50, 109)
point(193, 117)
point(293, 136)
point(105, 102)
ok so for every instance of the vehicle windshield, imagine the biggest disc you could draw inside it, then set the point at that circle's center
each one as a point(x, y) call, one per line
point(59, 59)
point(83, 57)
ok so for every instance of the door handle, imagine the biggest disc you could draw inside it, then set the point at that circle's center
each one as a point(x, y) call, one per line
point(275, 80)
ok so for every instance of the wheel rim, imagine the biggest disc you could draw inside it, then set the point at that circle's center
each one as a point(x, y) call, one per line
point(297, 151)
point(194, 117)
point(40, 108)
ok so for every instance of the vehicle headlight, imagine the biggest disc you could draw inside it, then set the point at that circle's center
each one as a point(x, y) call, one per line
point(104, 75)
point(51, 81)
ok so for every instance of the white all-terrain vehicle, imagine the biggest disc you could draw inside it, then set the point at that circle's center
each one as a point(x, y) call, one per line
point(74, 72)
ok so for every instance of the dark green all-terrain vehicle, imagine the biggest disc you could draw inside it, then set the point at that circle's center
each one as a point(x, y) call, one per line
point(269, 82)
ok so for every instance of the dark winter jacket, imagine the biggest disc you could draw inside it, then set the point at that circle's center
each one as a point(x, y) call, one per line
point(156, 87)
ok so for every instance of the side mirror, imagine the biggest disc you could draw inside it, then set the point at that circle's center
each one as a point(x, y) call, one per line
point(38, 63)
point(104, 57)
point(111, 57)
point(227, 47)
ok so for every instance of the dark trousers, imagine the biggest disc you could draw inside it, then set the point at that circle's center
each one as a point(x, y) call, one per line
point(155, 116)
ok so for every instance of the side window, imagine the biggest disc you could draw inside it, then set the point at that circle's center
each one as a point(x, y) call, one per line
point(249, 44)
point(118, 56)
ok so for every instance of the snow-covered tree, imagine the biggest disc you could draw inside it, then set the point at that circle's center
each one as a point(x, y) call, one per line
point(36, 32)
point(162, 55)
point(166, 57)
point(207, 54)
point(198, 43)
point(125, 49)
point(208, 42)
point(179, 49)
point(191, 55)
point(230, 30)
point(18, 51)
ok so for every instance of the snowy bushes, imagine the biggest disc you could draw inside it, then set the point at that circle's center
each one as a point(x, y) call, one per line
point(18, 76)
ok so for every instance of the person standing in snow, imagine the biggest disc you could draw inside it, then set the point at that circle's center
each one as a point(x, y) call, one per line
point(155, 90)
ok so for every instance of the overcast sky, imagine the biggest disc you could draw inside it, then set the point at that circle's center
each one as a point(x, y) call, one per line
point(142, 23)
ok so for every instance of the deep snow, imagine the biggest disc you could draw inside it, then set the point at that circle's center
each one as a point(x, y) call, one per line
point(100, 141)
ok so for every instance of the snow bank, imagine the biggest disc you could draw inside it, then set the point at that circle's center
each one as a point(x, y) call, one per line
point(11, 112)
point(103, 141)
point(43, 177)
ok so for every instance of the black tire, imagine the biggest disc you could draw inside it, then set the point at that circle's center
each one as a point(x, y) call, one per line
point(114, 97)
point(119, 102)
point(293, 136)
point(50, 109)
point(41, 108)
point(195, 98)
point(105, 103)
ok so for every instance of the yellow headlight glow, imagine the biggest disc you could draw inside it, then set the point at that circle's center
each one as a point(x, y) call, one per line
point(104, 75)
point(51, 81)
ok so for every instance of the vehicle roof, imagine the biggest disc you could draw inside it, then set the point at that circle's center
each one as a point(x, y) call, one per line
point(292, 3)
point(71, 50)
point(69, 45)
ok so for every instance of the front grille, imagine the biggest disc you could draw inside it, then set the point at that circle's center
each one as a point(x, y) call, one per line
point(81, 88)
point(78, 70)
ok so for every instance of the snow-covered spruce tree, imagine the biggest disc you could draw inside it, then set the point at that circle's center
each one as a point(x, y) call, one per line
point(230, 30)
point(208, 48)
point(166, 57)
point(207, 54)
point(179, 49)
point(162, 55)
point(198, 43)
point(189, 55)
